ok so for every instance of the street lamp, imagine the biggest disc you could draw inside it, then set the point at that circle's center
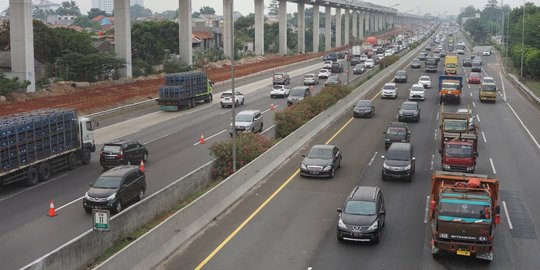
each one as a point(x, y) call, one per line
point(522, 38)
point(233, 91)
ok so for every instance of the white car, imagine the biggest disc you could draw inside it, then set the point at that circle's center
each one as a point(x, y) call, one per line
point(488, 80)
point(389, 90)
point(363, 58)
point(279, 91)
point(417, 92)
point(369, 63)
point(226, 99)
point(324, 73)
point(486, 52)
point(425, 81)
point(327, 64)
point(388, 52)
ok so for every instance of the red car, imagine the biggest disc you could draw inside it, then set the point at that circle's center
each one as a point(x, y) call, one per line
point(474, 78)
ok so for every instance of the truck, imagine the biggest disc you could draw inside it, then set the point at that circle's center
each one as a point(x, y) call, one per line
point(463, 213)
point(450, 64)
point(357, 51)
point(450, 89)
point(488, 92)
point(458, 142)
point(431, 63)
point(184, 89)
point(35, 144)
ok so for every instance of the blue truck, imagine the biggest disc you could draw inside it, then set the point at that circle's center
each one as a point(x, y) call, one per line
point(36, 144)
point(184, 89)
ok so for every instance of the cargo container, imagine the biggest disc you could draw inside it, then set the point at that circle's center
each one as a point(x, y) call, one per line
point(184, 89)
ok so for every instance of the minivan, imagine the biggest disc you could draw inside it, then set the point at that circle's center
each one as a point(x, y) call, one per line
point(399, 161)
point(297, 94)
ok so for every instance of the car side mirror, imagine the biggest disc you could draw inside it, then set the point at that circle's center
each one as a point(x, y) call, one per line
point(384, 132)
point(382, 212)
point(413, 158)
point(476, 154)
point(382, 157)
point(340, 210)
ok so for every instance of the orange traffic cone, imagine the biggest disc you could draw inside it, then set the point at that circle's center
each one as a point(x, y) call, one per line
point(202, 139)
point(272, 107)
point(52, 212)
point(141, 167)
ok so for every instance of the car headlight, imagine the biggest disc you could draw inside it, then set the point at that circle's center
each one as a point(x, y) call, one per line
point(303, 166)
point(482, 238)
point(400, 113)
point(374, 226)
point(386, 140)
point(112, 197)
point(341, 224)
point(86, 196)
point(446, 167)
point(415, 113)
point(470, 168)
point(443, 235)
point(385, 166)
point(327, 168)
point(408, 167)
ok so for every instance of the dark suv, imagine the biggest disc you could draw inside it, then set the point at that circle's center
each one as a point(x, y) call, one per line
point(114, 188)
point(363, 215)
point(399, 161)
point(401, 76)
point(409, 111)
point(396, 132)
point(122, 152)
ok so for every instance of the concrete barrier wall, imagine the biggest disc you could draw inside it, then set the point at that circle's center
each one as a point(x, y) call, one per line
point(157, 244)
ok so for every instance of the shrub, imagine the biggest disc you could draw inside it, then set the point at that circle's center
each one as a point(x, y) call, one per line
point(388, 60)
point(9, 85)
point(248, 147)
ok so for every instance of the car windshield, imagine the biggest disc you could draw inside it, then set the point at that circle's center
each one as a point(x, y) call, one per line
point(360, 208)
point(389, 87)
point(363, 103)
point(112, 148)
point(489, 87)
point(409, 106)
point(278, 87)
point(359, 66)
point(396, 131)
point(323, 71)
point(309, 76)
point(458, 150)
point(424, 79)
point(228, 94)
point(401, 73)
point(320, 153)
point(450, 65)
point(278, 76)
point(475, 63)
point(474, 75)
point(402, 155)
point(452, 86)
point(243, 117)
point(463, 209)
point(417, 88)
point(298, 92)
point(488, 80)
point(455, 125)
point(107, 182)
point(332, 79)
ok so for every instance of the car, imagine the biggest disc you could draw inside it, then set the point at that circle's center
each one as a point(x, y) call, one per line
point(409, 111)
point(417, 92)
point(281, 78)
point(333, 80)
point(442, 54)
point(401, 76)
point(364, 108)
point(476, 66)
point(471, 119)
point(425, 81)
point(114, 188)
point(359, 69)
point(362, 217)
point(279, 90)
point(311, 79)
point(369, 63)
point(437, 50)
point(388, 52)
point(336, 67)
point(422, 56)
point(321, 161)
point(399, 161)
point(226, 99)
point(355, 61)
point(323, 73)
point(488, 80)
point(427, 48)
point(486, 52)
point(298, 94)
point(467, 63)
point(341, 55)
point(327, 64)
point(474, 78)
point(416, 63)
point(122, 152)
point(396, 132)
point(363, 58)
point(389, 90)
point(247, 121)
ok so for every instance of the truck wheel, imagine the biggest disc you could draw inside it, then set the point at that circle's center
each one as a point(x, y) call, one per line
point(86, 156)
point(72, 161)
point(44, 171)
point(32, 176)
point(261, 128)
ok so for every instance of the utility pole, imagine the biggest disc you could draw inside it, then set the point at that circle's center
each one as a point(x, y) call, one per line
point(233, 92)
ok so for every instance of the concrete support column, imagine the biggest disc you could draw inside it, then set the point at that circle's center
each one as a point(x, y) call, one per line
point(283, 27)
point(122, 34)
point(328, 29)
point(301, 28)
point(347, 21)
point(315, 28)
point(22, 42)
point(259, 27)
point(361, 25)
point(355, 24)
point(367, 24)
point(227, 35)
point(185, 32)
point(338, 27)
point(381, 22)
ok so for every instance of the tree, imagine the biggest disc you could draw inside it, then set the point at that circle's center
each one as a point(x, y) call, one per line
point(88, 67)
point(149, 43)
point(168, 14)
point(138, 11)
point(69, 8)
point(8, 85)
point(273, 8)
point(207, 10)
point(196, 14)
point(42, 14)
point(477, 30)
point(469, 11)
point(94, 12)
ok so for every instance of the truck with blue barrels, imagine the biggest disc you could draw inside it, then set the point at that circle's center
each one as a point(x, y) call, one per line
point(450, 89)
point(34, 145)
point(184, 90)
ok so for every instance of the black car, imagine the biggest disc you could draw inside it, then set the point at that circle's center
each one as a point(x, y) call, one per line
point(399, 161)
point(442, 54)
point(422, 56)
point(363, 215)
point(341, 55)
point(333, 80)
point(401, 76)
point(114, 188)
point(336, 67)
point(467, 63)
point(396, 132)
point(122, 152)
point(321, 161)
point(359, 69)
point(409, 111)
point(476, 66)
point(355, 61)
point(364, 108)
point(416, 63)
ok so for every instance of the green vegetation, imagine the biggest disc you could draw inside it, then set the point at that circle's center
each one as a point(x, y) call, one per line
point(9, 85)
point(388, 60)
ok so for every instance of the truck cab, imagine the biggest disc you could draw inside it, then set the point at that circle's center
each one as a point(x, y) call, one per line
point(459, 144)
point(450, 64)
point(87, 127)
point(450, 89)
point(488, 92)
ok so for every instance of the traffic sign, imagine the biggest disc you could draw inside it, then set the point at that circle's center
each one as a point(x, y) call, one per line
point(101, 220)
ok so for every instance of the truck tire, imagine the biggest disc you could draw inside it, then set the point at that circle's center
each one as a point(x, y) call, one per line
point(44, 171)
point(86, 156)
point(32, 176)
point(72, 161)
point(192, 101)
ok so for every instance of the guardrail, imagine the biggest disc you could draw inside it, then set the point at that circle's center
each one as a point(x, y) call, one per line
point(524, 87)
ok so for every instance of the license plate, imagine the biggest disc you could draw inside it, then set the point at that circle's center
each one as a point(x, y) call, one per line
point(463, 252)
point(315, 172)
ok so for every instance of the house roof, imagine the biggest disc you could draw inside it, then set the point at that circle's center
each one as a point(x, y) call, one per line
point(203, 35)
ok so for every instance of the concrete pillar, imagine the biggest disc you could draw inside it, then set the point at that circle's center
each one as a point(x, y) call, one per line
point(122, 34)
point(227, 35)
point(301, 28)
point(354, 24)
point(327, 29)
point(283, 27)
point(347, 21)
point(338, 27)
point(366, 21)
point(315, 28)
point(259, 27)
point(22, 42)
point(361, 16)
point(185, 32)
point(381, 22)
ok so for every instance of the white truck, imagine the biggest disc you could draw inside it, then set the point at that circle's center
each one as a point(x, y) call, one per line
point(357, 51)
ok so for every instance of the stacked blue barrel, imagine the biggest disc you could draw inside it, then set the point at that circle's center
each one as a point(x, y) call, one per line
point(183, 89)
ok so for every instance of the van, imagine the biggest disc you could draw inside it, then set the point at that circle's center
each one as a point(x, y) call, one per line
point(297, 94)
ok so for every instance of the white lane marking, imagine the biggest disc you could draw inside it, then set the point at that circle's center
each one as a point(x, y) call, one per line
point(30, 188)
point(478, 117)
point(163, 136)
point(502, 83)
point(469, 86)
point(208, 138)
point(269, 128)
point(470, 93)
point(225, 112)
point(427, 209)
point(310, 268)
point(525, 127)
point(492, 166)
point(435, 137)
point(484, 136)
point(372, 159)
point(474, 104)
point(275, 106)
point(437, 116)
point(69, 203)
point(432, 161)
point(507, 216)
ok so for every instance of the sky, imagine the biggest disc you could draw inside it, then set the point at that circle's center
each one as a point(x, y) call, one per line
point(247, 6)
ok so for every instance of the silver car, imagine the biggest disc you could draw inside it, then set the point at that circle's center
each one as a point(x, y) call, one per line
point(247, 121)
point(310, 79)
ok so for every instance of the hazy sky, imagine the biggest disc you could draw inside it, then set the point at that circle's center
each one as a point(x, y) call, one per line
point(246, 6)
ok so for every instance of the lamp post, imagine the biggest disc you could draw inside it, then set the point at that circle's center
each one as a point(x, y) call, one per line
point(233, 92)
point(522, 38)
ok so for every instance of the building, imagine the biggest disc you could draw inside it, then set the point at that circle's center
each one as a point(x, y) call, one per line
point(137, 2)
point(64, 20)
point(45, 4)
point(105, 5)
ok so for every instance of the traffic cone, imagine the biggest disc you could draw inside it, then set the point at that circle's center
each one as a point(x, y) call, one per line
point(272, 107)
point(202, 139)
point(141, 167)
point(52, 212)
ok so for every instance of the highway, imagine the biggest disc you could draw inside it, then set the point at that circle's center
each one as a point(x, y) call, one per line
point(172, 139)
point(289, 222)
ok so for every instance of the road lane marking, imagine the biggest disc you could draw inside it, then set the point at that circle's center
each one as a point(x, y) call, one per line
point(492, 166)
point(339, 131)
point(432, 161)
point(474, 104)
point(523, 125)
point(469, 86)
point(69, 203)
point(426, 209)
point(372, 158)
point(208, 138)
point(507, 216)
point(224, 112)
point(30, 188)
point(478, 117)
point(275, 106)
point(502, 83)
point(269, 128)
point(437, 116)
point(470, 93)
point(435, 137)
point(161, 137)
point(484, 136)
